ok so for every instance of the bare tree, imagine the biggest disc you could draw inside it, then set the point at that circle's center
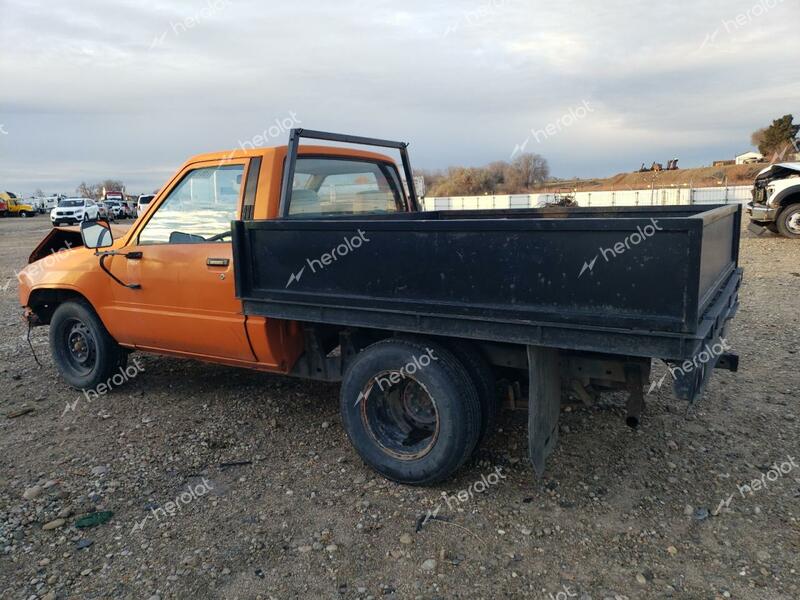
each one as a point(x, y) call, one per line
point(524, 173)
point(527, 171)
point(95, 190)
point(85, 190)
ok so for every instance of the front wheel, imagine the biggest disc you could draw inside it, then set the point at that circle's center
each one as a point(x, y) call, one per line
point(789, 221)
point(410, 410)
point(84, 352)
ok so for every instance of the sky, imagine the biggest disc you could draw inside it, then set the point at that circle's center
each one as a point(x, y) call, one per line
point(97, 89)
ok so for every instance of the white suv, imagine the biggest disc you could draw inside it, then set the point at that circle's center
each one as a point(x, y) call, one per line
point(143, 202)
point(74, 210)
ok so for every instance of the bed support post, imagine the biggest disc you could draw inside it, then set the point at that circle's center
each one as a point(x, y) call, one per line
point(544, 404)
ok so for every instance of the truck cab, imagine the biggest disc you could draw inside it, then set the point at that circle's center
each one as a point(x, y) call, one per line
point(776, 200)
point(184, 268)
point(16, 206)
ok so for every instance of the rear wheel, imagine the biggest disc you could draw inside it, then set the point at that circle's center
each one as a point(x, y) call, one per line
point(789, 221)
point(84, 352)
point(483, 378)
point(410, 410)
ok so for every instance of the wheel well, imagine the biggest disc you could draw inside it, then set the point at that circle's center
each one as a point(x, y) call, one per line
point(45, 302)
point(793, 198)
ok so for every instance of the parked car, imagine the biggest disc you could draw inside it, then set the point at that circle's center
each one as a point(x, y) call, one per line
point(143, 202)
point(48, 203)
point(3, 207)
point(130, 206)
point(74, 210)
point(115, 209)
point(102, 211)
point(108, 210)
point(776, 200)
point(264, 268)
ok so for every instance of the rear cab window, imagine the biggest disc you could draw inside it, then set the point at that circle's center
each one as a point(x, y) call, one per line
point(332, 186)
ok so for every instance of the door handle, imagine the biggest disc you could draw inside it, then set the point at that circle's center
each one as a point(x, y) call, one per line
point(217, 262)
point(133, 255)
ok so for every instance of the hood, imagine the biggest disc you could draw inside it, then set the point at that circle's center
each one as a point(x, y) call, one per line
point(61, 238)
point(779, 171)
point(58, 239)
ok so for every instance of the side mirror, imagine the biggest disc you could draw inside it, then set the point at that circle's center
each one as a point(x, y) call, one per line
point(96, 234)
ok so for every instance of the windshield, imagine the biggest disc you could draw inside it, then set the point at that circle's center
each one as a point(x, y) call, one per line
point(145, 199)
point(70, 203)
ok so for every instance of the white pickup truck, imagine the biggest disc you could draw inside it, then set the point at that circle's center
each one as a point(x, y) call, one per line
point(776, 200)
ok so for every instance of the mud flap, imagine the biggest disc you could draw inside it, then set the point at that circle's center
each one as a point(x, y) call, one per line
point(544, 404)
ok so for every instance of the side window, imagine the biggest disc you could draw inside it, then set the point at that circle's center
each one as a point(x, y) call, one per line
point(332, 186)
point(199, 209)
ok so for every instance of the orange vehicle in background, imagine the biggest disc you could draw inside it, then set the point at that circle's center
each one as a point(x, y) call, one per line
point(315, 261)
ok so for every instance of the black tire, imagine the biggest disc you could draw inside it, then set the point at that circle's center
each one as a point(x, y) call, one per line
point(483, 378)
point(788, 221)
point(84, 352)
point(423, 427)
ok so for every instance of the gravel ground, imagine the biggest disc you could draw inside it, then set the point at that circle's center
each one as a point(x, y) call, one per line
point(653, 513)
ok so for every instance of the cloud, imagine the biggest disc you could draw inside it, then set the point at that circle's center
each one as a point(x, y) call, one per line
point(93, 89)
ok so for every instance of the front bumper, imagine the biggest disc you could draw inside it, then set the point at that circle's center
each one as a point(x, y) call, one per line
point(761, 212)
point(66, 219)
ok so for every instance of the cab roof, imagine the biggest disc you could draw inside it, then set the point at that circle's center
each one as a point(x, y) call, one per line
point(283, 150)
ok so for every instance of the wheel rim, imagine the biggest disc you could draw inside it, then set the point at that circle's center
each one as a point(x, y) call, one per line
point(793, 223)
point(400, 417)
point(81, 347)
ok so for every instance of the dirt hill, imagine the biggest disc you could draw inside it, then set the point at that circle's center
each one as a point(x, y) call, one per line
point(700, 177)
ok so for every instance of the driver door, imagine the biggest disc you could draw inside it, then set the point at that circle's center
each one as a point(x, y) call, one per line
point(183, 262)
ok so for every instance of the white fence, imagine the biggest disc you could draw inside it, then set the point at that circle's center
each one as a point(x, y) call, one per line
point(648, 197)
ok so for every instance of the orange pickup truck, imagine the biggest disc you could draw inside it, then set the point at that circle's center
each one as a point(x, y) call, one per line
point(315, 261)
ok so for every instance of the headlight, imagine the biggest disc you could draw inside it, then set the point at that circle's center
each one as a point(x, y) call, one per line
point(770, 195)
